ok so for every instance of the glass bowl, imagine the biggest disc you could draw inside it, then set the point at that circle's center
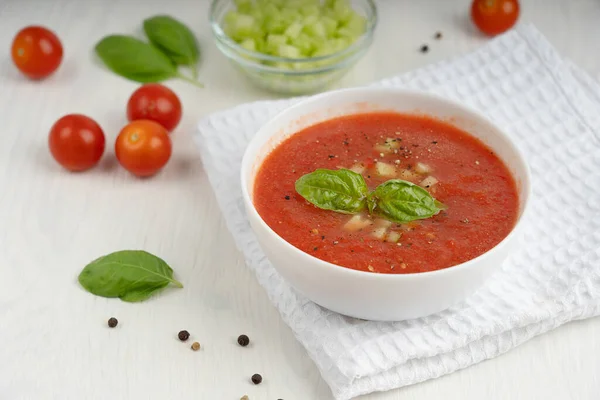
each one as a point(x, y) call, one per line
point(292, 76)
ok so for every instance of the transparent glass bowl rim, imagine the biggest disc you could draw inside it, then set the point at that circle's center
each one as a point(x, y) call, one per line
point(339, 56)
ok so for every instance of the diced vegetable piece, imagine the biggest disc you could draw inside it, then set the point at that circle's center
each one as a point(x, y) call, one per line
point(380, 148)
point(305, 66)
point(358, 168)
point(356, 223)
point(273, 43)
point(316, 30)
point(422, 168)
point(330, 25)
point(249, 44)
point(287, 51)
point(293, 31)
point(275, 25)
point(310, 9)
point(305, 44)
point(388, 147)
point(379, 233)
point(428, 182)
point(392, 143)
point(342, 9)
point(408, 175)
point(241, 26)
point(283, 65)
point(243, 5)
point(356, 24)
point(345, 33)
point(276, 40)
point(384, 169)
point(382, 222)
point(393, 237)
point(410, 226)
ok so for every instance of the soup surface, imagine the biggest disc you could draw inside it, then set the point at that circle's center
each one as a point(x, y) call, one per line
point(456, 168)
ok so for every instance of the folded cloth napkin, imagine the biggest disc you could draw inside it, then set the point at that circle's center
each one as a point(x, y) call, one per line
point(552, 110)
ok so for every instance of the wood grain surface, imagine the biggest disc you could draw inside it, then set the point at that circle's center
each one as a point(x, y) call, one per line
point(54, 342)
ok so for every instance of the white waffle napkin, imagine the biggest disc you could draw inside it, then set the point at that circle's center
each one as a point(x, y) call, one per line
point(552, 110)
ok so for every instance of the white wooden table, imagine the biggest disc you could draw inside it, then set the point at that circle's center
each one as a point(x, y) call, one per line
point(54, 343)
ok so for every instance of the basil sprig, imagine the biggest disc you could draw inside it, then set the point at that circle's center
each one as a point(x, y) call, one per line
point(345, 191)
point(171, 44)
point(131, 275)
point(174, 39)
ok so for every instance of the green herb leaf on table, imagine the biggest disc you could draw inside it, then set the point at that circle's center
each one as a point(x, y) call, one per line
point(341, 190)
point(134, 59)
point(131, 275)
point(174, 39)
point(401, 201)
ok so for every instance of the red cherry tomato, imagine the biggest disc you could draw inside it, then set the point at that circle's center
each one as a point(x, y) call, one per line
point(36, 51)
point(76, 142)
point(493, 17)
point(143, 147)
point(157, 103)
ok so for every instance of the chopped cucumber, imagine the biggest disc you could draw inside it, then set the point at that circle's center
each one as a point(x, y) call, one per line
point(249, 44)
point(287, 51)
point(294, 28)
point(316, 30)
point(293, 31)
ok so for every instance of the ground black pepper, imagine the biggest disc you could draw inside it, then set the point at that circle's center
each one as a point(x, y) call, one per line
point(438, 35)
point(243, 340)
point(287, 197)
point(424, 48)
point(112, 322)
point(183, 335)
point(256, 379)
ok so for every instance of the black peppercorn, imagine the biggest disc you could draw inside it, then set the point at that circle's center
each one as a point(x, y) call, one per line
point(243, 340)
point(112, 322)
point(424, 48)
point(256, 379)
point(183, 335)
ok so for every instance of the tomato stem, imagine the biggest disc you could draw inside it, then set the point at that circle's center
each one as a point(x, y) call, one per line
point(190, 80)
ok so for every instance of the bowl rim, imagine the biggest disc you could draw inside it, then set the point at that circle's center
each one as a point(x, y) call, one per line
point(260, 140)
point(362, 42)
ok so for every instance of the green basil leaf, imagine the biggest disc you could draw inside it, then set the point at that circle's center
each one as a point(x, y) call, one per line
point(131, 275)
point(134, 59)
point(173, 38)
point(339, 190)
point(401, 201)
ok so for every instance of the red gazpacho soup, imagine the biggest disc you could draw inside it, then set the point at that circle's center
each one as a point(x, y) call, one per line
point(477, 190)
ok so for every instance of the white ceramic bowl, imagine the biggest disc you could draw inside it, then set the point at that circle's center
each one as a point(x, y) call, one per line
point(384, 297)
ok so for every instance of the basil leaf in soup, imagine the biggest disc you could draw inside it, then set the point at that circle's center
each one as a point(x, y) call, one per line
point(341, 190)
point(401, 201)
